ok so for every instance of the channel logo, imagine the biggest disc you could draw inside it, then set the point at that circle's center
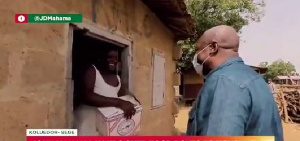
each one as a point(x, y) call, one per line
point(21, 18)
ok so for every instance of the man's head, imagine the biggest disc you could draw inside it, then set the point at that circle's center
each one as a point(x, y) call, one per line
point(215, 46)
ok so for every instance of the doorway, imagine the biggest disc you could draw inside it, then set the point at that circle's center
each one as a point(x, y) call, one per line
point(87, 44)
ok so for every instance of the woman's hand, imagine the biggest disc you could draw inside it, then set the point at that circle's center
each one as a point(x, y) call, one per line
point(128, 108)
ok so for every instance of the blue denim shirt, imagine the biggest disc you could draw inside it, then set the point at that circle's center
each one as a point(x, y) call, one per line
point(235, 101)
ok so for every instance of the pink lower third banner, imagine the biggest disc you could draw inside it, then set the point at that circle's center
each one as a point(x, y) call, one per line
point(150, 138)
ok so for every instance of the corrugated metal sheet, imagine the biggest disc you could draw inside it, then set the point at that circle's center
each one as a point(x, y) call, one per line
point(286, 77)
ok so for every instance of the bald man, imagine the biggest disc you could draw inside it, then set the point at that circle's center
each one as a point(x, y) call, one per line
point(235, 100)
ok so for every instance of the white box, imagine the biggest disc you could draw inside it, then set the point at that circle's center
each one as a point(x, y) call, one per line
point(113, 122)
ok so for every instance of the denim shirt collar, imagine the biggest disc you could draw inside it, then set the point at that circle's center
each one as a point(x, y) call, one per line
point(225, 64)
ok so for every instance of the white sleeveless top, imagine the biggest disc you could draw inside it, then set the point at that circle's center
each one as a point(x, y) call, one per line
point(86, 120)
point(104, 89)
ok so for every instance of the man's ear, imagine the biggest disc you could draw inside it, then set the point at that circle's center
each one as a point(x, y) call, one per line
point(214, 48)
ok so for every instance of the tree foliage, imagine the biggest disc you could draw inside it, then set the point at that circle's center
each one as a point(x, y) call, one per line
point(210, 13)
point(278, 67)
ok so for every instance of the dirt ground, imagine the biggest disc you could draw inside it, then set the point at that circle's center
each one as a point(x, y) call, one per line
point(291, 131)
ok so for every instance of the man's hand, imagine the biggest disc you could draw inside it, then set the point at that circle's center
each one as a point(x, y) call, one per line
point(128, 108)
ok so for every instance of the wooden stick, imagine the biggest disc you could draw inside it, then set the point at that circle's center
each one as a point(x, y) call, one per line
point(284, 104)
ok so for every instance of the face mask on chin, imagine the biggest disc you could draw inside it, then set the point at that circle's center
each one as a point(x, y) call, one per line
point(199, 67)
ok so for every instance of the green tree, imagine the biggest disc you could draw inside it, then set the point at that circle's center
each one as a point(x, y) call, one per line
point(279, 67)
point(210, 13)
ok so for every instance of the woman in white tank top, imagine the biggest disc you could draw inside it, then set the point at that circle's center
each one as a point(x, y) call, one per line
point(101, 89)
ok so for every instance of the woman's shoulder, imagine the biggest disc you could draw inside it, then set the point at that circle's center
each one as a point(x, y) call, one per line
point(91, 70)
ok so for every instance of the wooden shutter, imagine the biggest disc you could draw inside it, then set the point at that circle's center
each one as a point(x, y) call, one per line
point(158, 80)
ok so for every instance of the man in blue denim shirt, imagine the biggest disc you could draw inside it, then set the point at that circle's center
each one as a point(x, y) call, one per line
point(235, 100)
